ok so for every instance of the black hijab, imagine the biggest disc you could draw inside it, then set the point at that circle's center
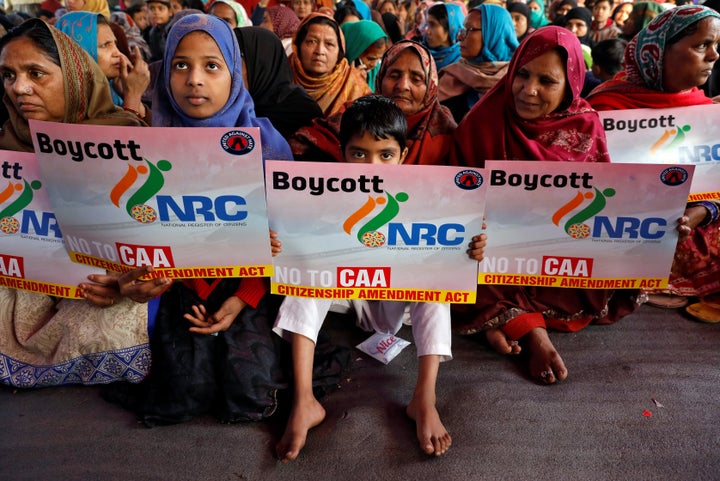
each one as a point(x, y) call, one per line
point(582, 13)
point(269, 81)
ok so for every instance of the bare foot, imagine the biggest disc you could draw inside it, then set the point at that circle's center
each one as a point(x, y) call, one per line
point(304, 416)
point(500, 342)
point(433, 437)
point(545, 363)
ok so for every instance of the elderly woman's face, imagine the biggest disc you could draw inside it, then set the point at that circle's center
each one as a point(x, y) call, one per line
point(689, 62)
point(33, 82)
point(405, 83)
point(319, 51)
point(471, 42)
point(539, 86)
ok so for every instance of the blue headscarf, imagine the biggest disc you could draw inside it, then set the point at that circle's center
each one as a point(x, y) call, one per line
point(363, 9)
point(500, 42)
point(82, 27)
point(445, 56)
point(537, 17)
point(239, 111)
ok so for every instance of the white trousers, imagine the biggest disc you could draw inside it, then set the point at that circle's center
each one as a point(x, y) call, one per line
point(430, 321)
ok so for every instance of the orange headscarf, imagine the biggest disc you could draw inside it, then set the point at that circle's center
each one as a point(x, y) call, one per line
point(332, 90)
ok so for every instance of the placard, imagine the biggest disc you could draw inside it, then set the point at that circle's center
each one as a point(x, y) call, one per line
point(383, 232)
point(189, 201)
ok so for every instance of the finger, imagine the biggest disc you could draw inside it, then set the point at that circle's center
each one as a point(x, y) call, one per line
point(196, 321)
point(104, 279)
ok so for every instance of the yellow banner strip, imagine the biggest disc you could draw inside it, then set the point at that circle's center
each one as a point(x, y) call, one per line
point(704, 196)
point(57, 290)
point(223, 272)
point(576, 282)
point(406, 295)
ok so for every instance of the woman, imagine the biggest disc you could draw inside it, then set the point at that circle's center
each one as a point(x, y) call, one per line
point(520, 13)
point(560, 8)
point(284, 23)
point(235, 373)
point(48, 341)
point(128, 81)
point(484, 62)
point(408, 77)
point(641, 14)
point(366, 43)
point(269, 81)
point(578, 21)
point(318, 64)
point(230, 11)
point(622, 13)
point(537, 14)
point(664, 65)
point(444, 22)
point(95, 6)
point(536, 113)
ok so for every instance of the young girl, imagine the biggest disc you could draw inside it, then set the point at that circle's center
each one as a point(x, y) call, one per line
point(212, 348)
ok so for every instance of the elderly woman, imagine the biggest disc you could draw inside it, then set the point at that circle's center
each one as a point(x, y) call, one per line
point(409, 78)
point(128, 81)
point(485, 58)
point(319, 65)
point(444, 21)
point(664, 65)
point(49, 342)
point(535, 113)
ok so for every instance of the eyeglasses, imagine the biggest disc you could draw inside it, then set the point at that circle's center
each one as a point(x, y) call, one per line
point(467, 30)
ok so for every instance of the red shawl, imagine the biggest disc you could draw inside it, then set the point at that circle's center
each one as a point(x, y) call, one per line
point(492, 130)
point(429, 130)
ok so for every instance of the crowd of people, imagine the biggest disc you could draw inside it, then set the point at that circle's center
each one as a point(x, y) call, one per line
point(392, 82)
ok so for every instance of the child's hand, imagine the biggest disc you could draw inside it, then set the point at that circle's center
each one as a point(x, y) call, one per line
point(275, 244)
point(477, 247)
point(220, 321)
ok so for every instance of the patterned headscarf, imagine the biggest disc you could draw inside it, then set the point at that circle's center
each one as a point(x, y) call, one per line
point(87, 95)
point(284, 21)
point(239, 111)
point(500, 41)
point(83, 28)
point(644, 54)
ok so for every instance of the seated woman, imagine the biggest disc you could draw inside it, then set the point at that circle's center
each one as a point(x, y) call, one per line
point(268, 78)
point(537, 14)
point(366, 43)
point(520, 13)
point(284, 23)
point(664, 65)
point(128, 80)
point(484, 62)
point(318, 64)
point(46, 341)
point(230, 11)
point(444, 21)
point(408, 77)
point(195, 371)
point(536, 114)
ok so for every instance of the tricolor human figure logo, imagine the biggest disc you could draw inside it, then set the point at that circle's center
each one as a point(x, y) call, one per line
point(368, 234)
point(136, 206)
point(575, 225)
point(25, 194)
point(679, 138)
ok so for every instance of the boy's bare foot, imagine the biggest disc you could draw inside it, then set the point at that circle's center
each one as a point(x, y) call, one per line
point(545, 363)
point(303, 417)
point(500, 342)
point(433, 437)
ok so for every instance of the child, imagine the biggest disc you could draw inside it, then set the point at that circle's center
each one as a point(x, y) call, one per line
point(607, 57)
point(212, 347)
point(603, 26)
point(373, 130)
point(160, 14)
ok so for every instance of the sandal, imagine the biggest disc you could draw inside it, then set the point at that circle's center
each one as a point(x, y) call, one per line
point(704, 312)
point(667, 301)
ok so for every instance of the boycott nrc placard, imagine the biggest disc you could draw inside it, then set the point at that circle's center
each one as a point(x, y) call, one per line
point(363, 231)
point(586, 225)
point(188, 201)
point(32, 254)
point(681, 135)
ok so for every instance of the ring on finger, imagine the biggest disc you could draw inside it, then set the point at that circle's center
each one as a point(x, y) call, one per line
point(546, 374)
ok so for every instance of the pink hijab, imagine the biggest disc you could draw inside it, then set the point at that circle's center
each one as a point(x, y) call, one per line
point(572, 133)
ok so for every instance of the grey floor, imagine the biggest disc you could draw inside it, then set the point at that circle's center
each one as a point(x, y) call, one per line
point(593, 426)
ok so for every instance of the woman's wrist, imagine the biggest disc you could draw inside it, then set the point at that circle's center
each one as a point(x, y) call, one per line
point(713, 212)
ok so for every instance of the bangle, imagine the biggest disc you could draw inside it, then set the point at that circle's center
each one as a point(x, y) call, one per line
point(128, 109)
point(713, 212)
